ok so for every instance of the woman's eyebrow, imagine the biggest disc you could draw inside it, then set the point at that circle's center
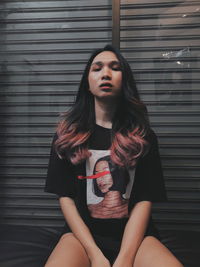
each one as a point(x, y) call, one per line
point(100, 63)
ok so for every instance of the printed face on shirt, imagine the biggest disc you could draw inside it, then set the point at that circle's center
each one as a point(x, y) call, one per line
point(105, 76)
point(104, 182)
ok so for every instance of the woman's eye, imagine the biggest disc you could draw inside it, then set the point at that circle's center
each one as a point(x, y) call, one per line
point(97, 69)
point(117, 68)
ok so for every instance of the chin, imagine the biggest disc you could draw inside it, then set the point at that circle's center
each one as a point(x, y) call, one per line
point(104, 191)
point(107, 96)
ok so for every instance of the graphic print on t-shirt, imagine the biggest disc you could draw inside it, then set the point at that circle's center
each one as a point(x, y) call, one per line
point(108, 186)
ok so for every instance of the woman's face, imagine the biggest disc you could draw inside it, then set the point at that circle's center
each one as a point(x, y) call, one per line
point(105, 75)
point(104, 182)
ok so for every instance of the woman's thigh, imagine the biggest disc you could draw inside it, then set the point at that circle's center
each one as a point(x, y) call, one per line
point(68, 253)
point(152, 253)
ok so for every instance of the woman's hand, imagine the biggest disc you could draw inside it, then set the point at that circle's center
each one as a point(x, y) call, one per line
point(122, 261)
point(100, 261)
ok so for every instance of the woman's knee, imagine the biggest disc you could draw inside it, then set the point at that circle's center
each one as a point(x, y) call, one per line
point(68, 252)
point(152, 253)
point(67, 236)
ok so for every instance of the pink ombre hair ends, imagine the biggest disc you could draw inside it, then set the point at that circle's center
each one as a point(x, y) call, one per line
point(125, 148)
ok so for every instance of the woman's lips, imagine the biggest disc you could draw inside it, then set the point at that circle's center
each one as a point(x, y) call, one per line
point(106, 86)
point(104, 187)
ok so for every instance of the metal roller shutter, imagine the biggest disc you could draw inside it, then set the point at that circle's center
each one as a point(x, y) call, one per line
point(44, 48)
point(161, 40)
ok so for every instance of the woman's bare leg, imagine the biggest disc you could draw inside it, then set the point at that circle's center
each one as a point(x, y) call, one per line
point(68, 253)
point(152, 253)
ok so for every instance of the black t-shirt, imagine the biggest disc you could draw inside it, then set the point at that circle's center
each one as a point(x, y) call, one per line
point(104, 192)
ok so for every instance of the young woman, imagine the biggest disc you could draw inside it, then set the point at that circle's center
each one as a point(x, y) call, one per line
point(107, 119)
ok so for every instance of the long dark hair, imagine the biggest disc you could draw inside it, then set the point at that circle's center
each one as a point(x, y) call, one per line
point(130, 123)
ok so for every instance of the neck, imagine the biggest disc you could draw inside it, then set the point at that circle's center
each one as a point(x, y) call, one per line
point(104, 112)
point(112, 198)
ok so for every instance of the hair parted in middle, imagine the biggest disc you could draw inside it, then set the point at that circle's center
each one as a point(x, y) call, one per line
point(129, 126)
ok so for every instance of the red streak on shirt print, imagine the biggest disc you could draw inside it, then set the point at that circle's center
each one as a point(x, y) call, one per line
point(94, 176)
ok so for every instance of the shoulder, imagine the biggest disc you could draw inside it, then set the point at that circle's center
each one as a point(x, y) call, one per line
point(152, 147)
point(151, 136)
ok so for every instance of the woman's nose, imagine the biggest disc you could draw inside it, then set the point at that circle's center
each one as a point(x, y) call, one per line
point(106, 74)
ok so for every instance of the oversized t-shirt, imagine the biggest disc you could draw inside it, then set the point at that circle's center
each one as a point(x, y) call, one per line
point(105, 193)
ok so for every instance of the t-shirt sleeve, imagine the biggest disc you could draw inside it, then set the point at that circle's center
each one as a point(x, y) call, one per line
point(60, 175)
point(149, 182)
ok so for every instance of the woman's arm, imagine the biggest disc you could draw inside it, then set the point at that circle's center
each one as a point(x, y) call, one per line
point(82, 232)
point(133, 234)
